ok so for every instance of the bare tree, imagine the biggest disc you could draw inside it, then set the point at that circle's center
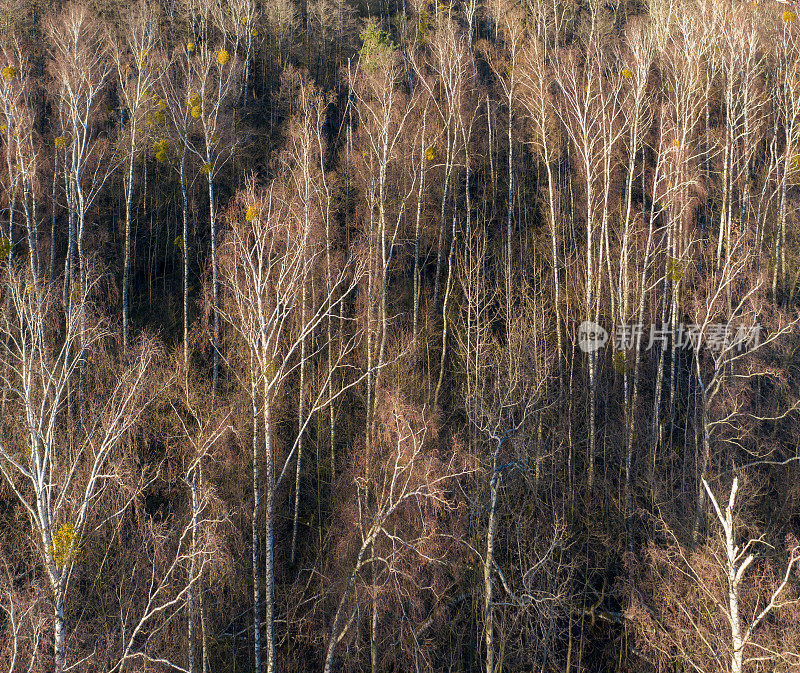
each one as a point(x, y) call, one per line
point(726, 606)
point(20, 150)
point(504, 388)
point(270, 255)
point(398, 475)
point(201, 434)
point(175, 561)
point(385, 112)
point(727, 344)
point(204, 81)
point(136, 66)
point(24, 623)
point(81, 71)
point(55, 480)
point(591, 115)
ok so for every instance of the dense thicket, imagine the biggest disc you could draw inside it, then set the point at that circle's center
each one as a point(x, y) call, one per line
point(404, 336)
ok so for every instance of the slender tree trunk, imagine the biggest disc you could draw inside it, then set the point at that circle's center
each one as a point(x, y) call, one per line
point(329, 328)
point(448, 284)
point(269, 517)
point(185, 234)
point(214, 279)
point(300, 422)
point(257, 609)
point(442, 227)
point(373, 632)
point(705, 446)
point(420, 194)
point(29, 209)
point(554, 253)
point(510, 213)
point(203, 630)
point(489, 140)
point(488, 565)
point(591, 356)
point(337, 626)
point(82, 291)
point(780, 235)
point(126, 269)
point(59, 629)
point(52, 274)
point(192, 636)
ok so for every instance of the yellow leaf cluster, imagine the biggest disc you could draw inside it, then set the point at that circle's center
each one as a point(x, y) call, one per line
point(160, 148)
point(620, 362)
point(75, 295)
point(675, 269)
point(64, 545)
point(223, 57)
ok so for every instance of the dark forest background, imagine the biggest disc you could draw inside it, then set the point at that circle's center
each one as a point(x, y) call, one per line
point(294, 375)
